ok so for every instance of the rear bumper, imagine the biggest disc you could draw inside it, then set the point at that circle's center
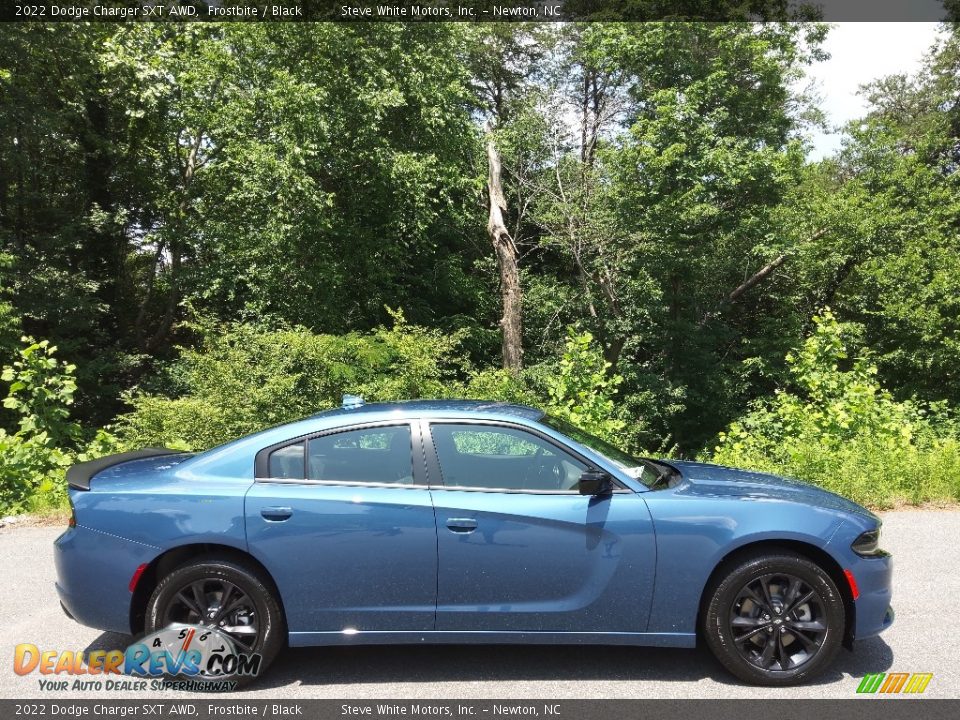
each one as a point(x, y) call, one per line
point(93, 576)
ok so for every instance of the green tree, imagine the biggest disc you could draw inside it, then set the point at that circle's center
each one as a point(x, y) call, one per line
point(9, 321)
point(668, 195)
point(904, 283)
point(306, 174)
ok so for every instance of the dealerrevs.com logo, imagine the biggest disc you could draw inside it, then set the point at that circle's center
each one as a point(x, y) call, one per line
point(909, 683)
point(184, 657)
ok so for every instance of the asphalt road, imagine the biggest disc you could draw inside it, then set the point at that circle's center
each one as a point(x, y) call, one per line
point(924, 638)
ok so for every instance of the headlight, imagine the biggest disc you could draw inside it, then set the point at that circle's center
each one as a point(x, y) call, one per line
point(868, 544)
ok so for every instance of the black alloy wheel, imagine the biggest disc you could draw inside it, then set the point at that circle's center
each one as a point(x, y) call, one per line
point(218, 603)
point(227, 595)
point(778, 622)
point(774, 617)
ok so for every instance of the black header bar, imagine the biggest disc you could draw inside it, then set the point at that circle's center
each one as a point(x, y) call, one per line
point(476, 10)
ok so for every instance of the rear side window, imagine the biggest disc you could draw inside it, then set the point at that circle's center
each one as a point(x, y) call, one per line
point(286, 463)
point(371, 455)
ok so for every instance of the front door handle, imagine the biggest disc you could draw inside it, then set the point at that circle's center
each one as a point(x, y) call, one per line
point(461, 525)
point(276, 514)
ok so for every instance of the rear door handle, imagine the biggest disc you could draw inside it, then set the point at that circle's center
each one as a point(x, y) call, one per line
point(461, 525)
point(276, 514)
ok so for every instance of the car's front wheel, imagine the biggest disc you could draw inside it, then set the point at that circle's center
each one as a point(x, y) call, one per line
point(228, 597)
point(775, 618)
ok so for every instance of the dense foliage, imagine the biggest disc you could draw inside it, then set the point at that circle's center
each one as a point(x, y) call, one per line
point(242, 379)
point(34, 458)
point(211, 222)
point(837, 427)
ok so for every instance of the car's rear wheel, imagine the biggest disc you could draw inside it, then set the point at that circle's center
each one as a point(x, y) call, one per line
point(775, 618)
point(227, 596)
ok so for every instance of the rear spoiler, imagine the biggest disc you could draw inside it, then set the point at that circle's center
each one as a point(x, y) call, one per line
point(78, 476)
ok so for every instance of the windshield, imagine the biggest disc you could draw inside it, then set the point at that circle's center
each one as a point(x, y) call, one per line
point(637, 468)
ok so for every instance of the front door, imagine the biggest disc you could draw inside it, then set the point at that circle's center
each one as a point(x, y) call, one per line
point(520, 550)
point(345, 523)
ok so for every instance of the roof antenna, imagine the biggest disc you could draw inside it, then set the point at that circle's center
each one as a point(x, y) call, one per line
point(351, 402)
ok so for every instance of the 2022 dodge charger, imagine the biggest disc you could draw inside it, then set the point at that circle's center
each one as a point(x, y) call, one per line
point(470, 522)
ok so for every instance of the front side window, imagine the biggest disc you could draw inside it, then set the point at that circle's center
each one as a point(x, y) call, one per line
point(643, 470)
point(495, 457)
point(371, 455)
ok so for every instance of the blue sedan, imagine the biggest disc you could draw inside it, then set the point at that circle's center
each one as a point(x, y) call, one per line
point(470, 522)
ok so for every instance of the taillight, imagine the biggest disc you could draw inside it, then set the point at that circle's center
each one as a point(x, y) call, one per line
point(72, 522)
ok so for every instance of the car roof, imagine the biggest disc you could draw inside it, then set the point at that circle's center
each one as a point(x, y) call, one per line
point(439, 408)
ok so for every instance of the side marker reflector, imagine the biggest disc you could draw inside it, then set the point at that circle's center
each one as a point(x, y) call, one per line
point(855, 591)
point(136, 576)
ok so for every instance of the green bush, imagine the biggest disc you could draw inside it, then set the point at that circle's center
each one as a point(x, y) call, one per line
point(577, 387)
point(582, 390)
point(34, 459)
point(497, 384)
point(244, 378)
point(838, 428)
point(834, 425)
point(9, 321)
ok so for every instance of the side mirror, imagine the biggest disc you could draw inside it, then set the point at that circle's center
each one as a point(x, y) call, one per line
point(595, 482)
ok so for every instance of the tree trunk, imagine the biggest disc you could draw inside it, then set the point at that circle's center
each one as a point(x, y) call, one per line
point(767, 270)
point(511, 296)
point(758, 277)
point(104, 251)
point(175, 245)
point(19, 233)
point(145, 303)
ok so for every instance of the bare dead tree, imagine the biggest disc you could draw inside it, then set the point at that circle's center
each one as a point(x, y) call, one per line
point(506, 252)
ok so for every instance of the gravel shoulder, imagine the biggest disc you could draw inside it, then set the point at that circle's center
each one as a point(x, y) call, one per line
point(925, 544)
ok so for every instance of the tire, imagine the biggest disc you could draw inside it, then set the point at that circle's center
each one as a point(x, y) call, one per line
point(256, 600)
point(783, 637)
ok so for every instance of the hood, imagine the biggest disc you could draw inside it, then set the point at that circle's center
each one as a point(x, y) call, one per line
point(714, 480)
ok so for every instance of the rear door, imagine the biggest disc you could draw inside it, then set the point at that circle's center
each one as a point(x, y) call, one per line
point(345, 523)
point(520, 550)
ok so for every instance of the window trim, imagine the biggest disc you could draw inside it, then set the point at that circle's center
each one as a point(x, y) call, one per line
point(434, 469)
point(261, 465)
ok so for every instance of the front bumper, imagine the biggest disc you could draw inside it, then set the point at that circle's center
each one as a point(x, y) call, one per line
point(874, 613)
